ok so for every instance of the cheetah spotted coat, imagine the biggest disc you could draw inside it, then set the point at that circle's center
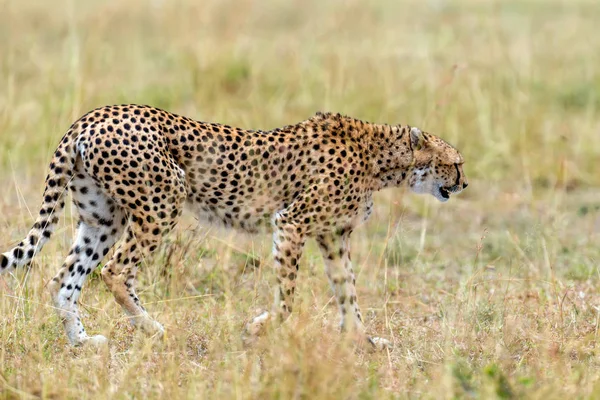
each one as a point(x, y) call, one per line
point(132, 170)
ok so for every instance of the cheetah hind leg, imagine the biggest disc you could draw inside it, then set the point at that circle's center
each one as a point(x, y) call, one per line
point(91, 243)
point(119, 276)
point(100, 226)
point(140, 240)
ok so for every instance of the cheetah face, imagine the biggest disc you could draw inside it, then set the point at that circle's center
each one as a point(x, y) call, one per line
point(437, 167)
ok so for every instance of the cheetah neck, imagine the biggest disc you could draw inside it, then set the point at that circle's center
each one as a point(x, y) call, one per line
point(390, 154)
point(386, 147)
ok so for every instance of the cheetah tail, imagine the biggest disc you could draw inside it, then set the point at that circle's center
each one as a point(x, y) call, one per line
point(59, 175)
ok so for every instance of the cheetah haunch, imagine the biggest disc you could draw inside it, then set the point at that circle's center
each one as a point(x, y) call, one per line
point(133, 169)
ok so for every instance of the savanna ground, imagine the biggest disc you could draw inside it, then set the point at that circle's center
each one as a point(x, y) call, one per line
point(493, 294)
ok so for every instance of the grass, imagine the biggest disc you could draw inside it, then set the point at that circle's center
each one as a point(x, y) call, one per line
point(495, 294)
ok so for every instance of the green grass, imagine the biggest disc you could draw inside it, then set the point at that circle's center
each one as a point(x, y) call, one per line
point(492, 295)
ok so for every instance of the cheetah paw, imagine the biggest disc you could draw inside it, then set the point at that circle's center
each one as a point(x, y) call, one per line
point(152, 328)
point(96, 341)
point(255, 327)
point(380, 344)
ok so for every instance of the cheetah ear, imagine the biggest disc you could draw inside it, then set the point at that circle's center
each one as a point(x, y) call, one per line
point(416, 138)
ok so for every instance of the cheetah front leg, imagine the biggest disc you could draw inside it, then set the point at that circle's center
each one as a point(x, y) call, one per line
point(335, 249)
point(288, 242)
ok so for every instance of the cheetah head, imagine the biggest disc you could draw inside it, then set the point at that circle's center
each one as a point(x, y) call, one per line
point(437, 166)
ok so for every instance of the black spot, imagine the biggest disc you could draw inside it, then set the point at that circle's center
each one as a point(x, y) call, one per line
point(18, 253)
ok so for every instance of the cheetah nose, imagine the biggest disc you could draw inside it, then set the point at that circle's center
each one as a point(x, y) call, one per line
point(465, 185)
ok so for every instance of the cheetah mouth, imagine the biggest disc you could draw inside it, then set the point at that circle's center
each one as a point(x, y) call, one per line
point(445, 193)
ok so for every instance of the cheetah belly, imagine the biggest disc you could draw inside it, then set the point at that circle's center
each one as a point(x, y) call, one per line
point(251, 218)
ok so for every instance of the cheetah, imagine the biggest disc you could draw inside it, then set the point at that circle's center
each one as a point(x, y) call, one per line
point(132, 170)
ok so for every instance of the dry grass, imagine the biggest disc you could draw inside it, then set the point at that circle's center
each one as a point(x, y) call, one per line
point(494, 294)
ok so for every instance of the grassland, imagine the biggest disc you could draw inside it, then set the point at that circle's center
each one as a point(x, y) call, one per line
point(495, 294)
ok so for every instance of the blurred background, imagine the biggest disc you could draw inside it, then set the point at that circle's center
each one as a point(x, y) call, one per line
point(493, 293)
